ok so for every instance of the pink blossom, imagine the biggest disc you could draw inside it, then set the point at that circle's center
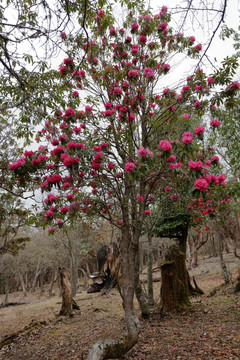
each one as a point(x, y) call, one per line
point(64, 209)
point(128, 39)
point(75, 94)
point(66, 185)
point(196, 103)
point(191, 38)
point(88, 108)
point(167, 189)
point(28, 153)
point(49, 214)
point(129, 166)
point(17, 164)
point(140, 198)
point(185, 89)
point(201, 184)
point(171, 158)
point(186, 116)
point(175, 166)
point(96, 165)
point(221, 178)
point(60, 223)
point(104, 145)
point(131, 117)
point(134, 27)
point(195, 165)
point(112, 30)
point(174, 197)
point(54, 179)
point(51, 230)
point(133, 74)
point(111, 165)
point(63, 35)
point(234, 84)
point(166, 67)
point(165, 145)
point(147, 212)
point(109, 112)
point(215, 159)
point(187, 138)
point(149, 73)
point(210, 80)
point(143, 152)
point(70, 197)
point(148, 18)
point(215, 123)
point(69, 112)
point(142, 39)
point(134, 49)
point(199, 130)
point(117, 91)
point(57, 150)
point(198, 47)
point(54, 142)
point(162, 26)
point(108, 105)
point(68, 61)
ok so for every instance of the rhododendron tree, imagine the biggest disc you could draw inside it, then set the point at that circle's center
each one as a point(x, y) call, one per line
point(112, 152)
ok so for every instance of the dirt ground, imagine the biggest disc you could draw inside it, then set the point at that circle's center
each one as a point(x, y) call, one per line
point(208, 329)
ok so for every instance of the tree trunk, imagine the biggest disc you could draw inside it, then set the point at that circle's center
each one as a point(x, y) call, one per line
point(174, 289)
point(37, 273)
point(115, 349)
point(41, 280)
point(68, 303)
point(143, 304)
point(74, 275)
point(237, 285)
point(223, 264)
point(6, 289)
point(85, 278)
point(149, 271)
point(54, 278)
point(22, 283)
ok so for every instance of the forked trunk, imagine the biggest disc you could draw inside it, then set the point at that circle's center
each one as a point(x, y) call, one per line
point(68, 303)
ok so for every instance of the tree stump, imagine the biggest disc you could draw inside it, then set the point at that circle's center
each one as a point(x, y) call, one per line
point(68, 303)
point(174, 289)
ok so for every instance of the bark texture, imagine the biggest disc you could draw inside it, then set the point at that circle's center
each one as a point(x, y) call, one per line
point(115, 349)
point(143, 304)
point(68, 303)
point(174, 289)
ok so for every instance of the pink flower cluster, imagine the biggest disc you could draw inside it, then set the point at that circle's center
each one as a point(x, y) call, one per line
point(187, 138)
point(17, 164)
point(195, 165)
point(215, 123)
point(143, 152)
point(149, 73)
point(69, 112)
point(199, 130)
point(165, 145)
point(129, 166)
point(201, 184)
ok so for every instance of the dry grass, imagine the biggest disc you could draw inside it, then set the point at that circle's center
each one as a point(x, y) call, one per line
point(103, 317)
